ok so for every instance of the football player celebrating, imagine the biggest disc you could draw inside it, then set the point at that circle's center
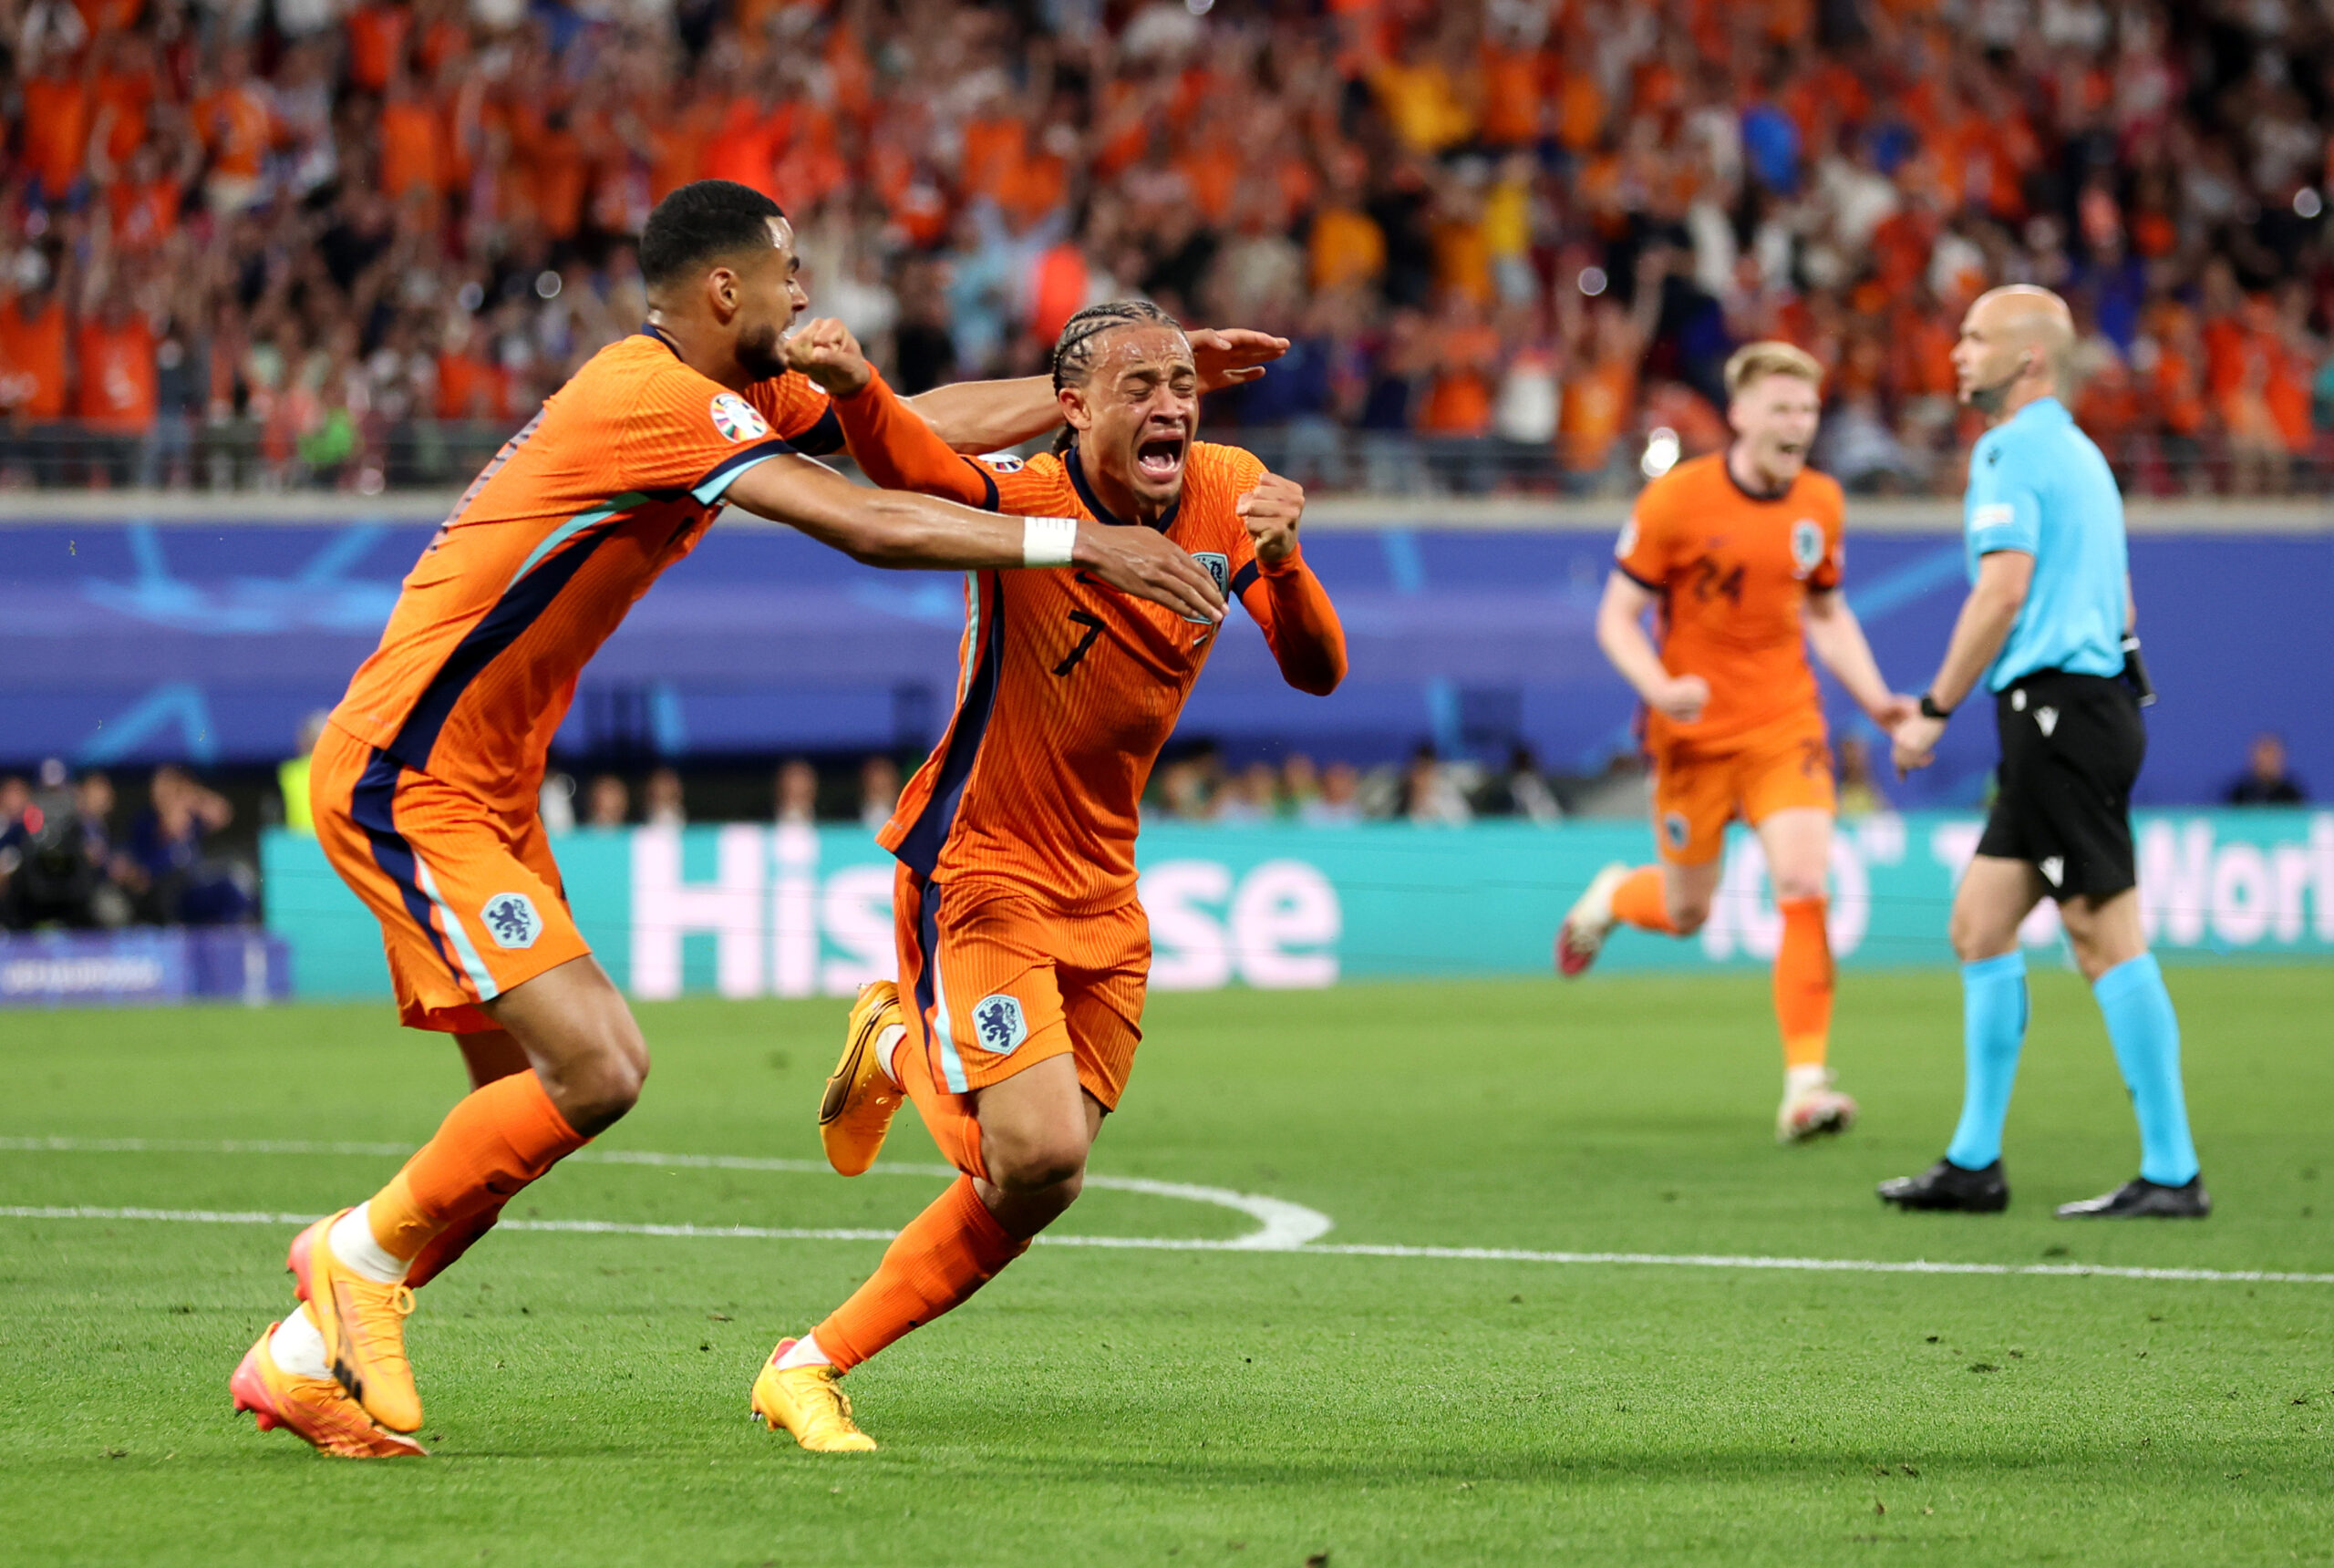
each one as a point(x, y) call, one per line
point(1740, 551)
point(425, 783)
point(1023, 950)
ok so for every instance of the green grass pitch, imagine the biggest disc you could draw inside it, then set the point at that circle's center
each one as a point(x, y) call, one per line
point(587, 1393)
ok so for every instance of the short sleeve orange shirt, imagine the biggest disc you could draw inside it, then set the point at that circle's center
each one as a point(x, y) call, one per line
point(612, 481)
point(1067, 690)
point(1733, 570)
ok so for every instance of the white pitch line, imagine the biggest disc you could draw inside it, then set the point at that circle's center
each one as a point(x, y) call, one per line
point(1285, 1227)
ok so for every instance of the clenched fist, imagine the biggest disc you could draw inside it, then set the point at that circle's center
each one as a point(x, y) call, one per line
point(825, 351)
point(1271, 511)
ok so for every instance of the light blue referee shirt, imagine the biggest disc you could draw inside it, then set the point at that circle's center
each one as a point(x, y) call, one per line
point(2036, 484)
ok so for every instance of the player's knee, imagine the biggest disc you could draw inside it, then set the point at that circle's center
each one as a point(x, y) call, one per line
point(604, 1081)
point(1974, 938)
point(1791, 888)
point(1039, 1161)
point(1689, 915)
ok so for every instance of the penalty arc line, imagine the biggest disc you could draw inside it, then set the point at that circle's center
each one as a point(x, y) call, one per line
point(1248, 1244)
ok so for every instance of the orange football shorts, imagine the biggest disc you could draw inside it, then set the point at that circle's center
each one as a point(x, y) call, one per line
point(992, 981)
point(1697, 794)
point(469, 897)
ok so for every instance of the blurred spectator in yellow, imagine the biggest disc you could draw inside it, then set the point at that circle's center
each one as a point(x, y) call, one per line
point(1859, 792)
point(292, 776)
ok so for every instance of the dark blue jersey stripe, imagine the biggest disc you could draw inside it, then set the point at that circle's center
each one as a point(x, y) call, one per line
point(822, 438)
point(919, 850)
point(1246, 579)
point(522, 604)
point(373, 807)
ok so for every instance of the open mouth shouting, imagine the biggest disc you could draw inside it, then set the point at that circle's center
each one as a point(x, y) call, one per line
point(1159, 458)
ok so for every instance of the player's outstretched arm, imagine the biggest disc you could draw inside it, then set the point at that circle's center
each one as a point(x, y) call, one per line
point(1838, 639)
point(1620, 632)
point(990, 416)
point(1288, 602)
point(899, 529)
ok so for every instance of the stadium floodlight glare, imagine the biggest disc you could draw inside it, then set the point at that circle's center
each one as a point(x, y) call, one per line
point(1592, 281)
point(547, 284)
point(1661, 453)
point(2307, 204)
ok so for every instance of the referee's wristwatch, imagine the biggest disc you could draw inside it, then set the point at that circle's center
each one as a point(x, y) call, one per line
point(1930, 709)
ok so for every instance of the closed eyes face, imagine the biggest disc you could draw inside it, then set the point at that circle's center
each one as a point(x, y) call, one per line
point(1138, 409)
point(768, 293)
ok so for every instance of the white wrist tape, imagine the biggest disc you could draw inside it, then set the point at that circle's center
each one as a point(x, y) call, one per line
point(1048, 540)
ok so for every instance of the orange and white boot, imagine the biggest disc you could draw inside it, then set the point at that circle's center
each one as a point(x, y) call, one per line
point(317, 1410)
point(362, 1324)
point(856, 1111)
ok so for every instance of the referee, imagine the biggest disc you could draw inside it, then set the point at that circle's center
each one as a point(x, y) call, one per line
point(2045, 627)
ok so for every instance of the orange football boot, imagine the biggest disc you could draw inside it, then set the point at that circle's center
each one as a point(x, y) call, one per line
point(317, 1410)
point(363, 1323)
point(856, 1111)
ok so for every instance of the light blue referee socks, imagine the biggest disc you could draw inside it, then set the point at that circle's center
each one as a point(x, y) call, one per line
point(1993, 1029)
point(2146, 1035)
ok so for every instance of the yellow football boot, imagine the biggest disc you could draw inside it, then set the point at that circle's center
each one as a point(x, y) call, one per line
point(363, 1323)
point(809, 1402)
point(315, 1409)
point(860, 1099)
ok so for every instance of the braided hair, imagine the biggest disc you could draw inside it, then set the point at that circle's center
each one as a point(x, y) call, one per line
point(1081, 340)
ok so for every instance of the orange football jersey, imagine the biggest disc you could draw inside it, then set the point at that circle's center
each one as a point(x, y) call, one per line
point(615, 478)
point(1733, 570)
point(1069, 689)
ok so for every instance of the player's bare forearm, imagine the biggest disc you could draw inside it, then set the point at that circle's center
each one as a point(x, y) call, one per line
point(1300, 626)
point(894, 529)
point(902, 530)
point(1983, 625)
point(988, 416)
point(1620, 632)
point(1838, 639)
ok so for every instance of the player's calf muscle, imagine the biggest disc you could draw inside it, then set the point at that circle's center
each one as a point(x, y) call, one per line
point(582, 1040)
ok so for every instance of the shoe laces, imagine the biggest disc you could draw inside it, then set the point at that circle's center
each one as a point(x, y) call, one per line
point(371, 1295)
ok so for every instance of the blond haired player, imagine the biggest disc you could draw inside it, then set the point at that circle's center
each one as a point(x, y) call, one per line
point(1739, 555)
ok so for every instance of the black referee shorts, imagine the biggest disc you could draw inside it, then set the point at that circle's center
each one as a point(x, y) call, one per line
point(2071, 747)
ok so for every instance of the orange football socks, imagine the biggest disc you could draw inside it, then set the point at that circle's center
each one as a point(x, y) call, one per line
point(493, 1142)
point(1803, 983)
point(944, 1256)
point(1637, 901)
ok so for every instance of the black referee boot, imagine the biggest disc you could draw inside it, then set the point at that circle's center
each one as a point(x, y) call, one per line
point(1946, 1185)
point(2141, 1199)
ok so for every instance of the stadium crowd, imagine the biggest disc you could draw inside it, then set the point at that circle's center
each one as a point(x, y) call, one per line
point(278, 243)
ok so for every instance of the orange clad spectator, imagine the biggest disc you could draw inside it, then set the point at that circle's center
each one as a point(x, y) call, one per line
point(377, 32)
point(445, 36)
point(745, 146)
point(237, 128)
point(118, 388)
point(1513, 95)
point(1580, 112)
point(1212, 171)
point(56, 129)
point(1347, 246)
point(1058, 289)
point(122, 92)
point(144, 202)
point(32, 356)
point(1466, 360)
point(560, 172)
point(677, 144)
point(411, 136)
point(2176, 383)
point(469, 387)
point(1462, 252)
point(995, 144)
